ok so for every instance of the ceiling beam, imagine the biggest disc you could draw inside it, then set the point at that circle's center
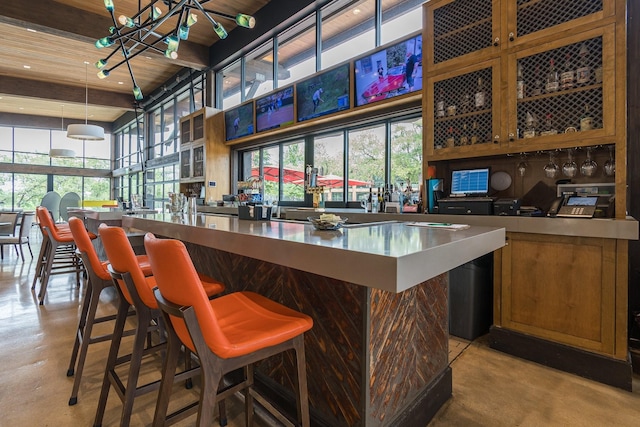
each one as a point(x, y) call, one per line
point(77, 24)
point(58, 92)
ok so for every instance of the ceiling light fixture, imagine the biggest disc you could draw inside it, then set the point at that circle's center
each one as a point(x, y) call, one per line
point(136, 34)
point(85, 131)
point(62, 152)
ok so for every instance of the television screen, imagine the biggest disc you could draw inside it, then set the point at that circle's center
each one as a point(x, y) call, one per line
point(470, 182)
point(323, 94)
point(275, 110)
point(238, 121)
point(389, 72)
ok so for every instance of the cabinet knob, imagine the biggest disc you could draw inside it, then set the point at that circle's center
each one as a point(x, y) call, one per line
point(512, 137)
point(496, 41)
point(512, 37)
point(496, 139)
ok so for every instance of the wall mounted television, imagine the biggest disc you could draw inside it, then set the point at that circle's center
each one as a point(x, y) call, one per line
point(275, 110)
point(238, 121)
point(323, 93)
point(388, 72)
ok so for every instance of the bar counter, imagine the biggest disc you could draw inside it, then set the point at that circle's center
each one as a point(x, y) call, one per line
point(378, 352)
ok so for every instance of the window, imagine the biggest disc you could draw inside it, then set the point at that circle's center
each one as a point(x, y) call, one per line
point(293, 165)
point(259, 71)
point(297, 52)
point(366, 158)
point(400, 18)
point(346, 26)
point(328, 157)
point(231, 95)
point(406, 152)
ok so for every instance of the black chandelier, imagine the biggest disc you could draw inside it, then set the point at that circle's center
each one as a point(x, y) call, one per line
point(132, 35)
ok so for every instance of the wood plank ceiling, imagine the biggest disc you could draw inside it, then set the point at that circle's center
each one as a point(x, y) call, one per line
point(45, 44)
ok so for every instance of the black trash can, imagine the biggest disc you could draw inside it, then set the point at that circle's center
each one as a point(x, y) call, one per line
point(471, 298)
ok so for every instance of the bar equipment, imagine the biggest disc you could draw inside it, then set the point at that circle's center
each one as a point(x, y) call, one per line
point(312, 187)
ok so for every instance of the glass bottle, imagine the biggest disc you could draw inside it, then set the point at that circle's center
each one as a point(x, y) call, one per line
point(586, 120)
point(440, 104)
point(537, 84)
point(465, 103)
point(548, 126)
point(529, 128)
point(519, 83)
point(583, 73)
point(451, 139)
point(464, 136)
point(480, 95)
point(567, 76)
point(552, 78)
point(474, 139)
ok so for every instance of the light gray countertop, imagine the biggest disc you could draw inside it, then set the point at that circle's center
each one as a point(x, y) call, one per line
point(391, 256)
point(105, 214)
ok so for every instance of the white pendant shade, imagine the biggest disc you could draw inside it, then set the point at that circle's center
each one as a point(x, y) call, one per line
point(61, 152)
point(85, 131)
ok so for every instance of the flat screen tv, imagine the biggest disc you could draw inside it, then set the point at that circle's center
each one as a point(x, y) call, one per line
point(470, 182)
point(389, 72)
point(275, 110)
point(238, 121)
point(324, 93)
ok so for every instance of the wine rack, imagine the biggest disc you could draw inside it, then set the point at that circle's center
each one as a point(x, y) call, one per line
point(537, 15)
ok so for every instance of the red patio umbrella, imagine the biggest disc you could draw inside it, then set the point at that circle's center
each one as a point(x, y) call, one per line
point(272, 173)
point(334, 181)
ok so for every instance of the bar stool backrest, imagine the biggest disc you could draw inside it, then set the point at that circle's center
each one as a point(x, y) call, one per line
point(12, 219)
point(83, 243)
point(178, 282)
point(45, 220)
point(123, 259)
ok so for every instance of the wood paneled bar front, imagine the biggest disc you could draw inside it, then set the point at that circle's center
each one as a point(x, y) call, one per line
point(378, 352)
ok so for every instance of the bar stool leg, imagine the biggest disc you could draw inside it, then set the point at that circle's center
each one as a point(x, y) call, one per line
point(303, 394)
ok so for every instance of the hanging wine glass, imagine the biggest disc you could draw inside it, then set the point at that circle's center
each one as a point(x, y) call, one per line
point(569, 168)
point(551, 169)
point(610, 164)
point(522, 166)
point(589, 166)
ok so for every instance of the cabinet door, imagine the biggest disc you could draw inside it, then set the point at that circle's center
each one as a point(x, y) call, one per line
point(465, 107)
point(567, 95)
point(198, 161)
point(560, 288)
point(531, 19)
point(198, 125)
point(461, 29)
point(185, 163)
point(185, 130)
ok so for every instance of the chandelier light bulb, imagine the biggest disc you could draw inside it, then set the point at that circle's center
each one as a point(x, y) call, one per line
point(155, 12)
point(171, 54)
point(126, 21)
point(104, 42)
point(220, 31)
point(100, 63)
point(108, 4)
point(103, 74)
point(137, 93)
point(245, 21)
point(192, 19)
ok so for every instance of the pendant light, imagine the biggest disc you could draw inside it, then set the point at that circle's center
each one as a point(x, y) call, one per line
point(62, 152)
point(85, 131)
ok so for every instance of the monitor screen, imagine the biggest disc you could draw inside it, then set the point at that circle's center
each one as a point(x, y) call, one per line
point(275, 110)
point(386, 73)
point(323, 94)
point(470, 182)
point(238, 121)
point(582, 201)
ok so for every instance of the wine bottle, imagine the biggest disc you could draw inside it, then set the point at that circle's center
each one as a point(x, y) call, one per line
point(480, 95)
point(537, 83)
point(586, 120)
point(440, 104)
point(583, 73)
point(552, 78)
point(474, 139)
point(464, 136)
point(451, 139)
point(529, 127)
point(568, 73)
point(465, 103)
point(519, 83)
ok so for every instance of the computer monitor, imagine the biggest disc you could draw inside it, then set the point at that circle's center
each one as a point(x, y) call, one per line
point(470, 182)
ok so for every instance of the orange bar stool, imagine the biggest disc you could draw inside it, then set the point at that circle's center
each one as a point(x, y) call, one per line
point(98, 279)
point(227, 333)
point(135, 289)
point(57, 253)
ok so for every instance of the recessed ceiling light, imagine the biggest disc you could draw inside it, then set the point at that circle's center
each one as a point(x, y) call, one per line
point(147, 57)
point(120, 83)
point(31, 30)
point(20, 108)
point(356, 11)
point(86, 62)
point(27, 67)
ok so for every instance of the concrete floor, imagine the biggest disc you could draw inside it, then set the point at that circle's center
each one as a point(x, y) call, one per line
point(489, 388)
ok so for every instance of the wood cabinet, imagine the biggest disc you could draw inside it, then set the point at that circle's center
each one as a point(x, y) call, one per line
point(563, 289)
point(204, 158)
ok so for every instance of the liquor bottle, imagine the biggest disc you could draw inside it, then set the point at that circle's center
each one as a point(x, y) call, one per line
point(519, 83)
point(548, 126)
point(464, 136)
point(529, 127)
point(552, 78)
point(586, 120)
point(380, 199)
point(474, 139)
point(465, 103)
point(451, 139)
point(537, 83)
point(440, 104)
point(583, 73)
point(480, 95)
point(568, 74)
